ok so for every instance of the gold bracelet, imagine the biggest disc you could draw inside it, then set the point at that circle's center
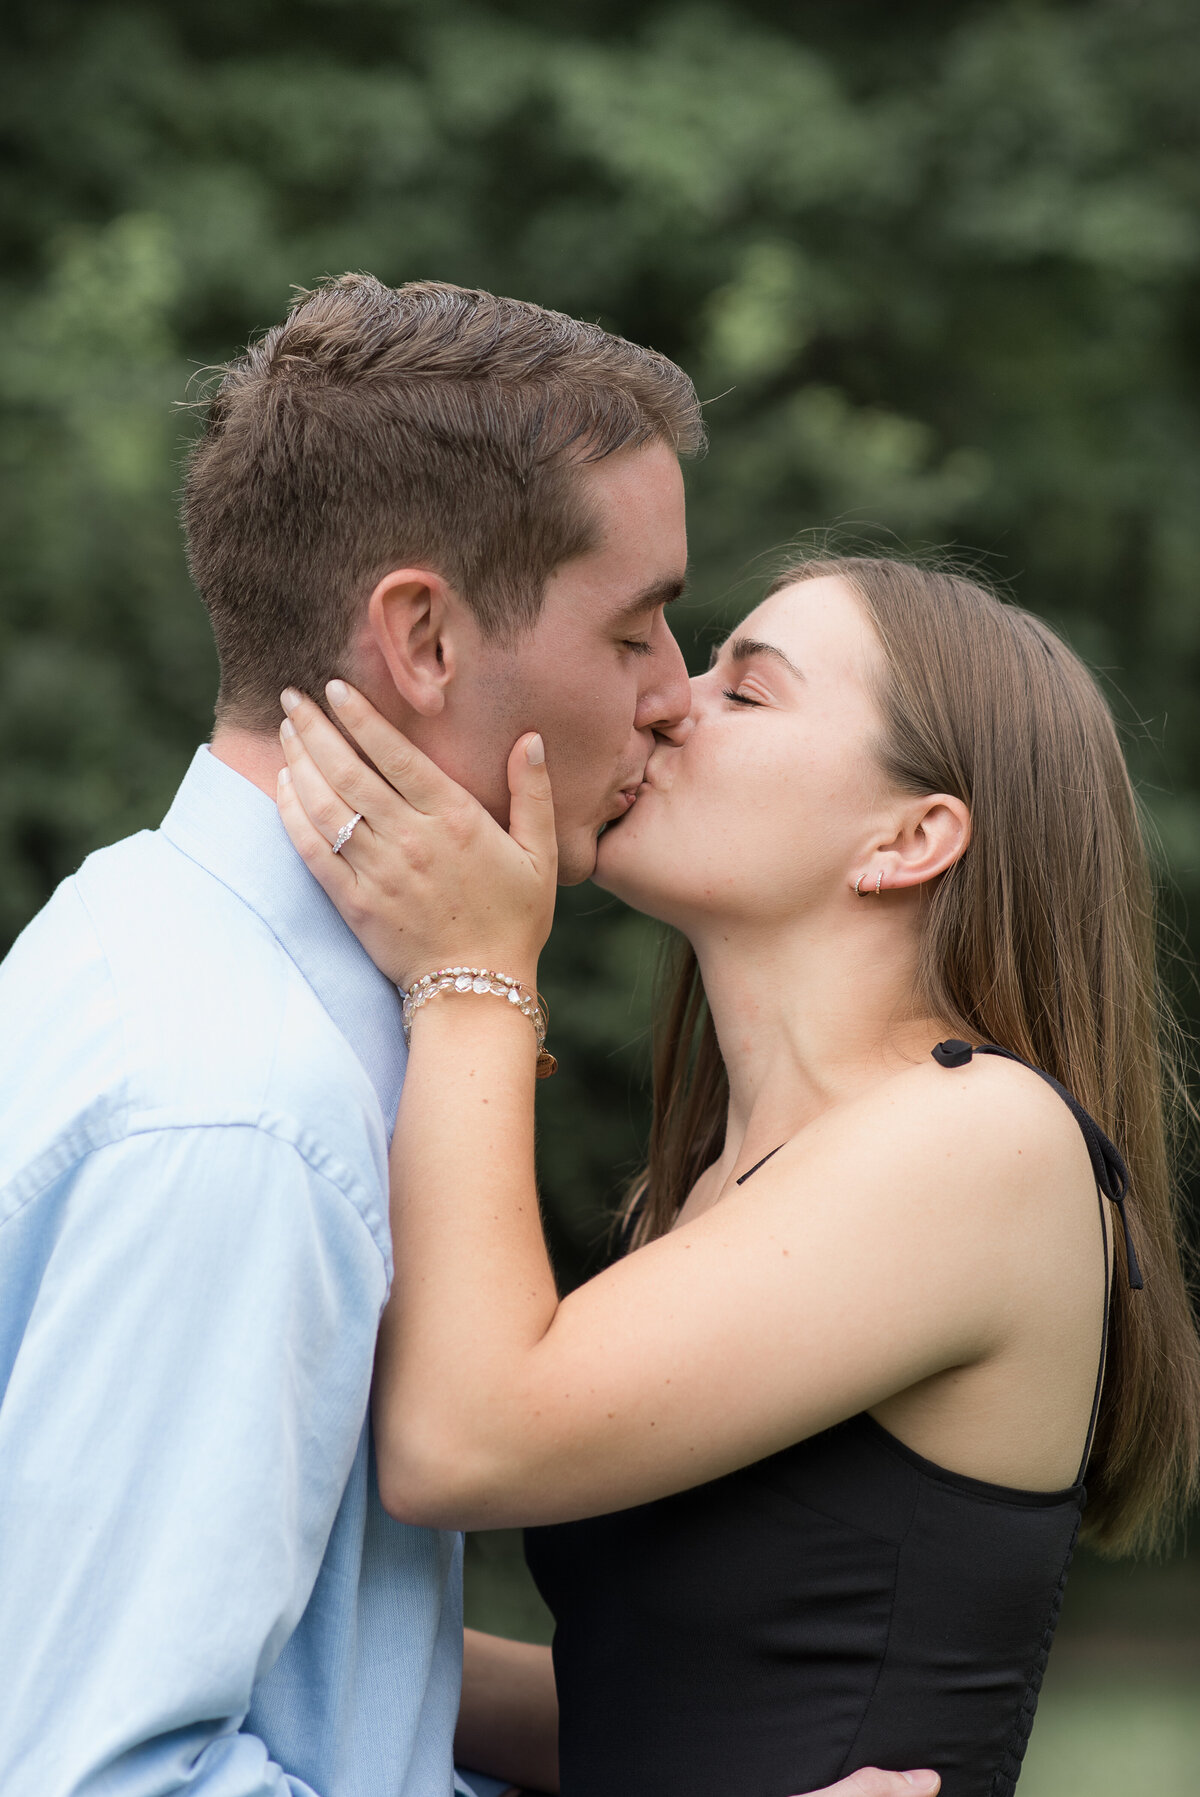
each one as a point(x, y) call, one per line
point(482, 980)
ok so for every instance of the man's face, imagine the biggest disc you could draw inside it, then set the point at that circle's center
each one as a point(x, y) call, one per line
point(599, 676)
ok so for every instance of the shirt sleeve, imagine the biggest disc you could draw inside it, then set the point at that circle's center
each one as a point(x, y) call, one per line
point(175, 1439)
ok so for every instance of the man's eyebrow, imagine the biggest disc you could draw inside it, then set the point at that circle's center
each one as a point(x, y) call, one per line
point(663, 592)
point(745, 648)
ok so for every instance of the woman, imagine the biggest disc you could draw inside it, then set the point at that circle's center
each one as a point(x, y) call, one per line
point(873, 1278)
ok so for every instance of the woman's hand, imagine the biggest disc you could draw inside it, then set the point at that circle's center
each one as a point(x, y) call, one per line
point(871, 1782)
point(427, 879)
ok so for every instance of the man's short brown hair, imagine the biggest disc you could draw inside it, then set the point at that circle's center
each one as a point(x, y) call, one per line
point(380, 427)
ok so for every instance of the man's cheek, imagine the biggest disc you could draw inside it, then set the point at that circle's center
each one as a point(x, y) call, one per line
point(588, 746)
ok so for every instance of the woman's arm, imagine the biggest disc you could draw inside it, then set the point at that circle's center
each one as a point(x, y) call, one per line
point(841, 1276)
point(878, 1248)
point(508, 1718)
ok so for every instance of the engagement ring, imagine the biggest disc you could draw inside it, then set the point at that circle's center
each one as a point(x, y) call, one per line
point(346, 832)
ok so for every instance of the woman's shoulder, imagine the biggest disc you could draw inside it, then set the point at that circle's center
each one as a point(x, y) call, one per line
point(993, 1085)
point(989, 1098)
point(992, 1125)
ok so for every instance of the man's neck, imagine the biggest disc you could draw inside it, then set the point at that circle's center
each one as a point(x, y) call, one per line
point(255, 754)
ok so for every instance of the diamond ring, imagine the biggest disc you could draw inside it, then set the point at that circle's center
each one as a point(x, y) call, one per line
point(346, 832)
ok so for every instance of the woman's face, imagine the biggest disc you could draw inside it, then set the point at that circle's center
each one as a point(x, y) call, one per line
point(771, 807)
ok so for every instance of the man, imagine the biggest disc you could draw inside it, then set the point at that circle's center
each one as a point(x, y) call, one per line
point(474, 508)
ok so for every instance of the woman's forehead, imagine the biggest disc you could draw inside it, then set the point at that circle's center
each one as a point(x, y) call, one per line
point(819, 621)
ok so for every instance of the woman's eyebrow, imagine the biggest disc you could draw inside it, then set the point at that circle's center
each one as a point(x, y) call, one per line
point(745, 648)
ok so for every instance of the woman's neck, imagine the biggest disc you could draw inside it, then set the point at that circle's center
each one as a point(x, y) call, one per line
point(808, 1014)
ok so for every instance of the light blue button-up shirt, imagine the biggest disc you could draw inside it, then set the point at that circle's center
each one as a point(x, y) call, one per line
point(199, 1588)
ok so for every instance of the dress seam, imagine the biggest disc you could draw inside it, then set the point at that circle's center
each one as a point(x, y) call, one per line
point(845, 1768)
point(1008, 1767)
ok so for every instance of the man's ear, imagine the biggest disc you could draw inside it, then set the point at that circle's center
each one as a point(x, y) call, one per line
point(933, 834)
point(414, 620)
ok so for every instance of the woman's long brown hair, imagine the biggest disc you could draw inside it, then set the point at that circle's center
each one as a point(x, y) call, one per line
point(1042, 938)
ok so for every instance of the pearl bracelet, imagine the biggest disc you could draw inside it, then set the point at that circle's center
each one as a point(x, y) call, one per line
point(482, 980)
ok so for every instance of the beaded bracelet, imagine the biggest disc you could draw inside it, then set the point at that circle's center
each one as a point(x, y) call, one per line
point(483, 980)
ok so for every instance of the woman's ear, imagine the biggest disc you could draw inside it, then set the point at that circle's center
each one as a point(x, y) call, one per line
point(413, 619)
point(934, 833)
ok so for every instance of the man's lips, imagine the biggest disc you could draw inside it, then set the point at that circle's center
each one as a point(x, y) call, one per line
point(624, 801)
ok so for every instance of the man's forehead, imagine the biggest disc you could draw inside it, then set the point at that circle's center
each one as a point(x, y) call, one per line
point(635, 491)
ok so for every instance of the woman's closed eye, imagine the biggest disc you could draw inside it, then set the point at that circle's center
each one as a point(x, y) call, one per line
point(740, 698)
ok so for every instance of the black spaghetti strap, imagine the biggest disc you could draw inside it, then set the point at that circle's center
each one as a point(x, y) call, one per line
point(1112, 1182)
point(1112, 1175)
point(743, 1177)
point(630, 1221)
point(1097, 1393)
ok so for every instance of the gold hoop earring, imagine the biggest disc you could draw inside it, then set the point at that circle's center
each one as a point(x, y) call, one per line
point(857, 885)
point(879, 884)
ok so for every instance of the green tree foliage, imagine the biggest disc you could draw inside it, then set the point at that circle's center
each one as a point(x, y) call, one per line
point(935, 268)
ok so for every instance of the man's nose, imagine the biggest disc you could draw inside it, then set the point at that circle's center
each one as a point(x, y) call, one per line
point(665, 700)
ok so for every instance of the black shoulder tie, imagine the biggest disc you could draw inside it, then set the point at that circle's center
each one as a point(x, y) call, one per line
point(953, 1053)
point(1111, 1173)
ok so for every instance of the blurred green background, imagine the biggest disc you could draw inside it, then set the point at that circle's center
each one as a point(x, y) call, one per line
point(935, 268)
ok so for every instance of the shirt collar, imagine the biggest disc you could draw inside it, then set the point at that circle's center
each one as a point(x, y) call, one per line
point(223, 822)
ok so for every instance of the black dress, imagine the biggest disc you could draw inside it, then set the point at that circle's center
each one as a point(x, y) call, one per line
point(843, 1603)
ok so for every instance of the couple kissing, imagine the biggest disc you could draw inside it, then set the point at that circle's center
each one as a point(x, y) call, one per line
point(803, 1470)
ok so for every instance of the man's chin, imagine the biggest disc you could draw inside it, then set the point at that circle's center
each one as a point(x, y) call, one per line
point(576, 858)
point(582, 853)
point(607, 861)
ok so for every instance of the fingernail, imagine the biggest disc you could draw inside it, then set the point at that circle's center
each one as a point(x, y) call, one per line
point(287, 728)
point(535, 751)
point(289, 698)
point(285, 776)
point(337, 692)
